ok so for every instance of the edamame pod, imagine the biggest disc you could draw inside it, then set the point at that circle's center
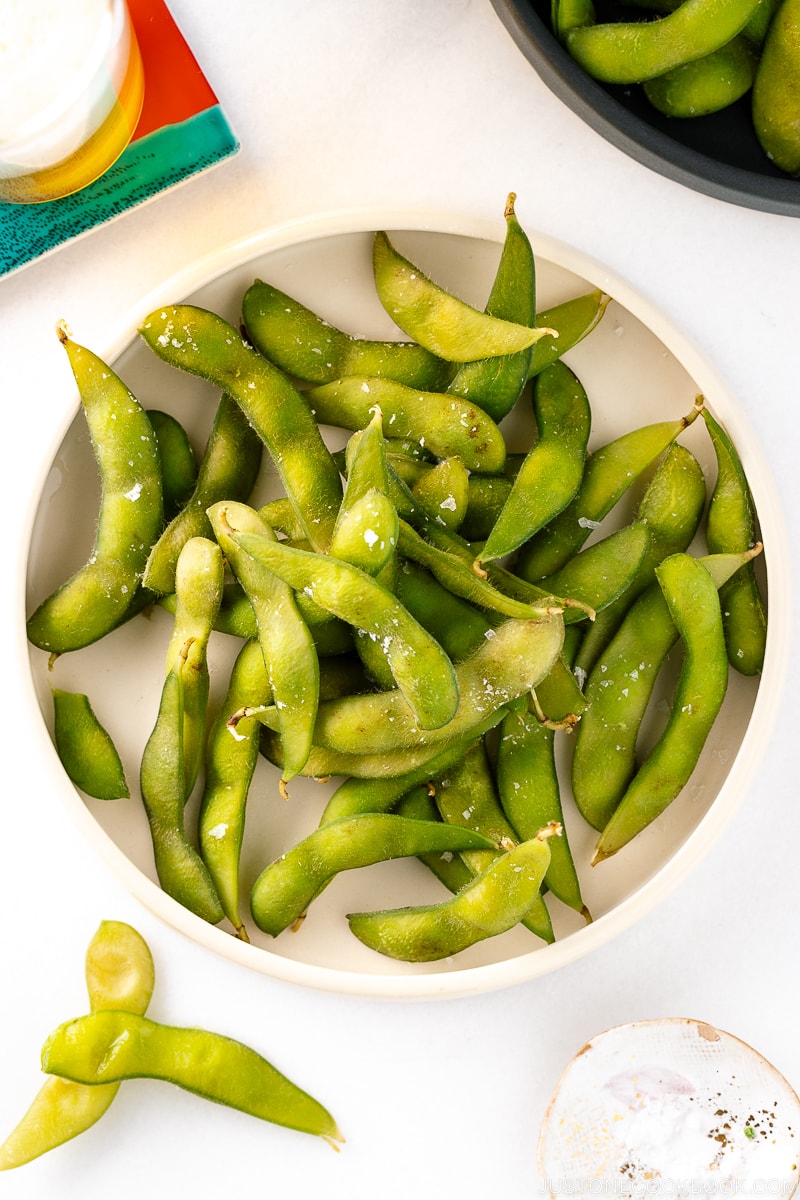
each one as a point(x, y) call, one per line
point(775, 89)
point(204, 344)
point(177, 459)
point(228, 471)
point(691, 597)
point(706, 84)
point(119, 975)
point(437, 320)
point(494, 902)
point(110, 1046)
point(445, 490)
point(572, 320)
point(283, 891)
point(552, 470)
point(98, 596)
point(85, 748)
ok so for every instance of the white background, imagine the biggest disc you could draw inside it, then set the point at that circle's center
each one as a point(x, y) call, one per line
point(343, 103)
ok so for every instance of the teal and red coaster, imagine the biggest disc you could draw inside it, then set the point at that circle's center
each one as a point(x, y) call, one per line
point(181, 132)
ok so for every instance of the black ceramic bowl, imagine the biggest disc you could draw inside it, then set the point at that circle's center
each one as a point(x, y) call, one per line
point(718, 155)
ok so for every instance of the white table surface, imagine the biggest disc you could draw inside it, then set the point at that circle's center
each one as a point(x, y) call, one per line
point(342, 103)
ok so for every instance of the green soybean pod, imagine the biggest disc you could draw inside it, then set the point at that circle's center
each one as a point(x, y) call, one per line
point(284, 890)
point(445, 424)
point(228, 470)
point(495, 384)
point(610, 470)
point(308, 347)
point(494, 902)
point(553, 468)
point(450, 869)
point(438, 320)
point(205, 345)
point(177, 458)
point(775, 89)
point(85, 747)
point(458, 626)
point(98, 596)
point(230, 761)
point(119, 975)
point(705, 85)
point(445, 489)
point(633, 51)
point(466, 795)
point(730, 528)
point(572, 320)
point(691, 597)
point(421, 669)
point(110, 1046)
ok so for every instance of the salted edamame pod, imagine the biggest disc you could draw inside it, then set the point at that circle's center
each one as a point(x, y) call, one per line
point(98, 596)
point(491, 904)
point(283, 891)
point(85, 747)
point(438, 320)
point(111, 1046)
point(775, 89)
point(119, 975)
point(177, 458)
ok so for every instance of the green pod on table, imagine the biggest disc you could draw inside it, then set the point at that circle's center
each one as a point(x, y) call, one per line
point(731, 528)
point(670, 512)
point(112, 1046)
point(228, 471)
point(177, 458)
point(775, 89)
point(633, 51)
point(438, 320)
point(307, 347)
point(205, 345)
point(609, 472)
point(492, 903)
point(230, 761)
point(284, 890)
point(495, 384)
point(445, 424)
point(705, 85)
point(508, 664)
point(553, 468)
point(693, 602)
point(618, 691)
point(85, 747)
point(287, 646)
point(101, 593)
point(466, 795)
point(119, 975)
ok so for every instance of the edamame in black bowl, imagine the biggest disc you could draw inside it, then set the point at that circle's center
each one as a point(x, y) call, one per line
point(717, 155)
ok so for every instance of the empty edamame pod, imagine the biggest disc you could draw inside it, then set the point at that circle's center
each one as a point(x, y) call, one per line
point(496, 383)
point(283, 891)
point(511, 660)
point(421, 669)
point(287, 646)
point(445, 424)
point(610, 470)
point(110, 1046)
point(553, 468)
point(204, 344)
point(309, 348)
point(731, 527)
point(230, 761)
point(85, 747)
point(119, 975)
point(775, 89)
point(494, 902)
point(691, 597)
point(228, 471)
point(97, 597)
point(436, 319)
point(618, 691)
point(632, 51)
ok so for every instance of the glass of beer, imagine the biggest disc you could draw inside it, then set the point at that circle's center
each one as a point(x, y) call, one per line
point(71, 92)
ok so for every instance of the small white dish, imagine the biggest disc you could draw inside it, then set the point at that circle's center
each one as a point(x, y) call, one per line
point(636, 368)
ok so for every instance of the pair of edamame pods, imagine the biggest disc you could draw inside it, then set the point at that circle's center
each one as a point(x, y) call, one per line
point(381, 640)
point(696, 57)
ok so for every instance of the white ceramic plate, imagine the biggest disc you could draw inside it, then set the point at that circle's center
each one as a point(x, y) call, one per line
point(636, 368)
